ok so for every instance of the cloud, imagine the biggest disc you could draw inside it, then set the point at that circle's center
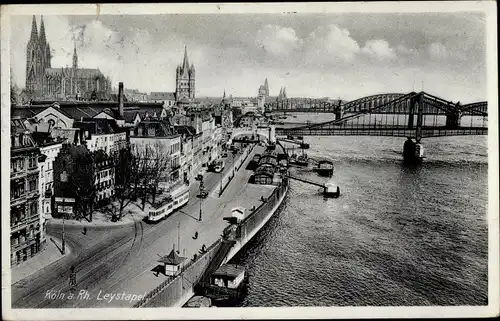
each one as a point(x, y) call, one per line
point(331, 43)
point(277, 40)
point(379, 49)
point(437, 51)
point(405, 51)
point(314, 59)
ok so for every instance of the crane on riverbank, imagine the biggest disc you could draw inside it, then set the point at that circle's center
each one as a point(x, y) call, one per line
point(329, 189)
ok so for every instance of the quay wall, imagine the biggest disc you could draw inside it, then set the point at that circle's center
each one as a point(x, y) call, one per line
point(176, 291)
point(255, 221)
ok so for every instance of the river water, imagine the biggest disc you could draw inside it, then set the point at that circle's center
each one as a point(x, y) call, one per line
point(395, 237)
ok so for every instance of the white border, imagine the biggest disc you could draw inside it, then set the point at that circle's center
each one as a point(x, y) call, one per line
point(489, 7)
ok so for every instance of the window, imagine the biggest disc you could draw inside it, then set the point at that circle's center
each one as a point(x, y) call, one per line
point(34, 209)
point(32, 184)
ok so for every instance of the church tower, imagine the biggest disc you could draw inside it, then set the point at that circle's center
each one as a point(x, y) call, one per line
point(185, 79)
point(32, 68)
point(75, 59)
point(37, 58)
point(74, 71)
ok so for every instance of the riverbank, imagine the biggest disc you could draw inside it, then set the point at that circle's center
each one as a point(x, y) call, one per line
point(172, 292)
point(214, 209)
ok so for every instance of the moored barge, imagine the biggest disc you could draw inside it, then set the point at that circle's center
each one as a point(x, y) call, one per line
point(324, 168)
point(228, 285)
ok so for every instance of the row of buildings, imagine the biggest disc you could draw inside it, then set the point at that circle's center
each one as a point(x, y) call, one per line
point(71, 117)
point(49, 140)
point(76, 83)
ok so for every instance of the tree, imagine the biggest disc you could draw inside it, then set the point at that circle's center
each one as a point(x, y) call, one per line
point(154, 165)
point(83, 184)
point(126, 179)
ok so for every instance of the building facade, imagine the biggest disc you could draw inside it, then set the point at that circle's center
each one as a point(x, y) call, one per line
point(43, 81)
point(69, 160)
point(49, 151)
point(102, 134)
point(104, 177)
point(163, 141)
point(25, 223)
point(166, 98)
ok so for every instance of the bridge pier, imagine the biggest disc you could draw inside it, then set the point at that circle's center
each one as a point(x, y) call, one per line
point(453, 120)
point(339, 111)
point(413, 152)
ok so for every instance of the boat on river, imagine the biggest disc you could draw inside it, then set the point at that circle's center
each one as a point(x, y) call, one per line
point(331, 190)
point(228, 285)
point(302, 160)
point(324, 168)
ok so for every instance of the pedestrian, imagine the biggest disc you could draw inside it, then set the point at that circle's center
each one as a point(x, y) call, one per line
point(84, 230)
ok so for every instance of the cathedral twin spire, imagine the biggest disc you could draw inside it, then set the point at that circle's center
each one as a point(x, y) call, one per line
point(35, 37)
point(38, 55)
point(282, 94)
point(34, 30)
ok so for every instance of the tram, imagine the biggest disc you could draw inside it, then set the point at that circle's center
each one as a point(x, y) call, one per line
point(176, 200)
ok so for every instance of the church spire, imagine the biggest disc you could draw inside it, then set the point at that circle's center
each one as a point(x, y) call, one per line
point(266, 85)
point(185, 63)
point(34, 30)
point(75, 57)
point(42, 31)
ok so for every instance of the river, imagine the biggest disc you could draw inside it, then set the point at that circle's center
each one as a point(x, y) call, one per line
point(395, 237)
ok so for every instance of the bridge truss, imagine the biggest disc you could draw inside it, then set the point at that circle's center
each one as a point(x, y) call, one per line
point(415, 115)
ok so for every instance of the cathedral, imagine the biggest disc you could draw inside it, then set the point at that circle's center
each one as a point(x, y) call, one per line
point(184, 80)
point(65, 83)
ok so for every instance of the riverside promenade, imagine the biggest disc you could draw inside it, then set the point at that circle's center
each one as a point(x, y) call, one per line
point(125, 265)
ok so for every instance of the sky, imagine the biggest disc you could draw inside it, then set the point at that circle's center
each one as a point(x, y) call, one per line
point(348, 55)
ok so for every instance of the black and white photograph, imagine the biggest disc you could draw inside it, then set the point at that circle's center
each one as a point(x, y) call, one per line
point(282, 160)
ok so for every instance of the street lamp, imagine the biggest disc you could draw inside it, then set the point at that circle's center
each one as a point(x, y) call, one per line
point(178, 239)
point(220, 194)
point(201, 199)
point(63, 241)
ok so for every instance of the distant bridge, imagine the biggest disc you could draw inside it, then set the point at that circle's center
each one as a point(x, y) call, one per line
point(414, 115)
point(370, 103)
point(266, 132)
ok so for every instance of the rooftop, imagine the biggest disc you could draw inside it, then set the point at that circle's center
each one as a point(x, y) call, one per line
point(98, 126)
point(229, 270)
point(172, 258)
point(162, 96)
point(154, 128)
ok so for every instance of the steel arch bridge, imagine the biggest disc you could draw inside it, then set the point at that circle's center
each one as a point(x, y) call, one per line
point(414, 115)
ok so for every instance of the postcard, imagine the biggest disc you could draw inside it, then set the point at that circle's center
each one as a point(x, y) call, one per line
point(257, 160)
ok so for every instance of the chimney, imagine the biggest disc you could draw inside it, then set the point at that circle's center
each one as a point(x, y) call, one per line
point(120, 98)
